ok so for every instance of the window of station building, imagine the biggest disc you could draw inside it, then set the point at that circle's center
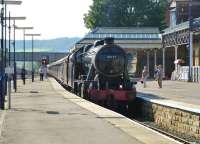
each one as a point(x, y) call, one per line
point(156, 36)
point(147, 36)
point(99, 35)
point(143, 36)
point(128, 35)
point(104, 35)
point(92, 36)
point(134, 36)
point(108, 35)
point(140, 36)
point(112, 35)
point(117, 36)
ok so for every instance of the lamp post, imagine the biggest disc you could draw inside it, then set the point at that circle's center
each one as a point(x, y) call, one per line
point(14, 60)
point(23, 69)
point(32, 35)
point(2, 69)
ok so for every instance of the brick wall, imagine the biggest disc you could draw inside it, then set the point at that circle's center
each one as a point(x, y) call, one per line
point(174, 120)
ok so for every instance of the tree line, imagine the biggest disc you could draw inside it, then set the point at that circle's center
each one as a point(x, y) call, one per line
point(126, 13)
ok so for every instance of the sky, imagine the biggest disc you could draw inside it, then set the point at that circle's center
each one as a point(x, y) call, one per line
point(52, 18)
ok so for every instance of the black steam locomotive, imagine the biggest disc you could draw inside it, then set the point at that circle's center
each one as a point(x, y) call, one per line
point(98, 73)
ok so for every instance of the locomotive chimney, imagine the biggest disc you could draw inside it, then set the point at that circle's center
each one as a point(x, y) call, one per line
point(109, 40)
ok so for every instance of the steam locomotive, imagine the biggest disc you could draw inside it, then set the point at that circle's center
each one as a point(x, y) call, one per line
point(98, 73)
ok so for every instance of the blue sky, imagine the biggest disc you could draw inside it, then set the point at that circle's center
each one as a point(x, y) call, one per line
point(52, 18)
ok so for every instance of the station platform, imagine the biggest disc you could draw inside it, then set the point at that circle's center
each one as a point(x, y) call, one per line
point(45, 113)
point(177, 94)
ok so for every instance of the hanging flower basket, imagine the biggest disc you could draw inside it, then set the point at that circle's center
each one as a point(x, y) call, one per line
point(179, 61)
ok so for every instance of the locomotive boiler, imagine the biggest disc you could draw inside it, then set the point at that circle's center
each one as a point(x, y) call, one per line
point(97, 72)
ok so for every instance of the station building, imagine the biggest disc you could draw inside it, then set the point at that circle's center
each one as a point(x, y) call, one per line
point(142, 44)
point(181, 41)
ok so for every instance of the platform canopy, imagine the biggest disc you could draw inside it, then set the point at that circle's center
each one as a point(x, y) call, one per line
point(127, 37)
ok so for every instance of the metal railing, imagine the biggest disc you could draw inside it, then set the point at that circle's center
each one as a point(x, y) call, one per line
point(183, 73)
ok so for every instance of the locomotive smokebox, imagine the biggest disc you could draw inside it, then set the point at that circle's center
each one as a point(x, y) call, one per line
point(110, 60)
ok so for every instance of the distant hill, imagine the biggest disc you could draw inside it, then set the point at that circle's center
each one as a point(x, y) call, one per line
point(52, 45)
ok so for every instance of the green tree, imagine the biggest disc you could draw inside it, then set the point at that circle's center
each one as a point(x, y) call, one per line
point(126, 13)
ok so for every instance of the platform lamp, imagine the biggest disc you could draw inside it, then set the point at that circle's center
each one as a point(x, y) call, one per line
point(23, 69)
point(14, 54)
point(32, 35)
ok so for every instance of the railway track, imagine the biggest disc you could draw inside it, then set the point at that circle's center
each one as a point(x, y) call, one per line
point(164, 132)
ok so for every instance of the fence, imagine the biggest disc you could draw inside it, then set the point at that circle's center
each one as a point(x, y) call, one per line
point(183, 72)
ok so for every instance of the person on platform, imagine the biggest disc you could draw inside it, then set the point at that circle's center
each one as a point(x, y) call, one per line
point(159, 75)
point(45, 71)
point(155, 72)
point(23, 75)
point(41, 71)
point(145, 75)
